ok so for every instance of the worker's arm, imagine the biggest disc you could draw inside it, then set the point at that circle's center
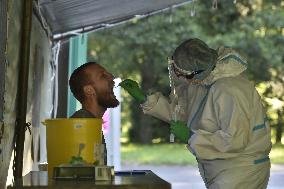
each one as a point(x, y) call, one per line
point(155, 105)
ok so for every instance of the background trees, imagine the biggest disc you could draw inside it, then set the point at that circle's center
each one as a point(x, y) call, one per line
point(139, 50)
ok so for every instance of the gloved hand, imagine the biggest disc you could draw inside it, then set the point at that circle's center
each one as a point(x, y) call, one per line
point(133, 89)
point(180, 130)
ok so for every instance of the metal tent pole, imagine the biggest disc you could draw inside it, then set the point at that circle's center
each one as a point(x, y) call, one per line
point(22, 89)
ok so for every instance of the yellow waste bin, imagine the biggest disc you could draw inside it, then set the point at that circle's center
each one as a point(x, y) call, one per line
point(72, 137)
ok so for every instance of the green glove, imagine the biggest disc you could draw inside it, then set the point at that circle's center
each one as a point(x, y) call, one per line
point(133, 89)
point(180, 130)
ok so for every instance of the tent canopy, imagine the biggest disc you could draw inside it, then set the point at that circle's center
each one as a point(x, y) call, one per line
point(64, 16)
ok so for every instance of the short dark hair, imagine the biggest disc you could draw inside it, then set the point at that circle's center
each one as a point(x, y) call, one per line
point(78, 79)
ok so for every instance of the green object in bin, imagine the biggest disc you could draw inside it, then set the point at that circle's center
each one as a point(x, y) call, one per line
point(77, 160)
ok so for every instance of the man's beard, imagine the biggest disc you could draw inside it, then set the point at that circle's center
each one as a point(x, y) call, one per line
point(107, 101)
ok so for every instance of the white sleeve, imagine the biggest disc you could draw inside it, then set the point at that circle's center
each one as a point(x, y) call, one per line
point(158, 106)
point(223, 127)
point(164, 108)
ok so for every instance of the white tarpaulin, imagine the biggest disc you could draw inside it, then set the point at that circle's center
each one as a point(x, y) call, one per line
point(67, 15)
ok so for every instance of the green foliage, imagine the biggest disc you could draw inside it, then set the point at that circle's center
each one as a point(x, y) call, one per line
point(277, 154)
point(139, 50)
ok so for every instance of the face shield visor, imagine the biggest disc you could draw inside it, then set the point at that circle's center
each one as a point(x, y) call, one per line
point(193, 59)
point(179, 73)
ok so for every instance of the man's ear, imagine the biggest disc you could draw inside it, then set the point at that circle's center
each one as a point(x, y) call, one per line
point(89, 90)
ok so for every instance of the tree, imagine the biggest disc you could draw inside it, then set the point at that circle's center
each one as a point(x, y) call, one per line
point(139, 49)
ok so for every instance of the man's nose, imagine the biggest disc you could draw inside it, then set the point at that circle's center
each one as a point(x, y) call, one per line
point(110, 76)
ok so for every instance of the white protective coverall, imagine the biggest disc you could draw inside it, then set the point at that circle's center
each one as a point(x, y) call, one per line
point(231, 139)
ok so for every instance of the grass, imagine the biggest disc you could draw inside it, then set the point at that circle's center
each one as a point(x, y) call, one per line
point(277, 154)
point(156, 154)
point(174, 154)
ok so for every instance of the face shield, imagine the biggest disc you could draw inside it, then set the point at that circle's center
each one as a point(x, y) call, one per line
point(185, 74)
point(193, 59)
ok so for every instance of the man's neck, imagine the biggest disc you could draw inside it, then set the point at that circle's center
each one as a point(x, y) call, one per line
point(94, 109)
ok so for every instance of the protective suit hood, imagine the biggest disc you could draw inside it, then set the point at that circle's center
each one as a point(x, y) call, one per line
point(229, 64)
point(193, 56)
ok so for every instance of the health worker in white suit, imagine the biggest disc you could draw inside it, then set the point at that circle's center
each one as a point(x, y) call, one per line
point(217, 111)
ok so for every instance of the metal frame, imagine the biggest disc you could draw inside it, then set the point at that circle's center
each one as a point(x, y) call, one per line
point(21, 124)
point(3, 41)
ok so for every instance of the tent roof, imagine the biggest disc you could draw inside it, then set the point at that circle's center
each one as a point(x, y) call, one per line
point(68, 15)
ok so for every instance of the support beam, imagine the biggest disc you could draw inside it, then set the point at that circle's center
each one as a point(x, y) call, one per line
point(3, 41)
point(24, 61)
